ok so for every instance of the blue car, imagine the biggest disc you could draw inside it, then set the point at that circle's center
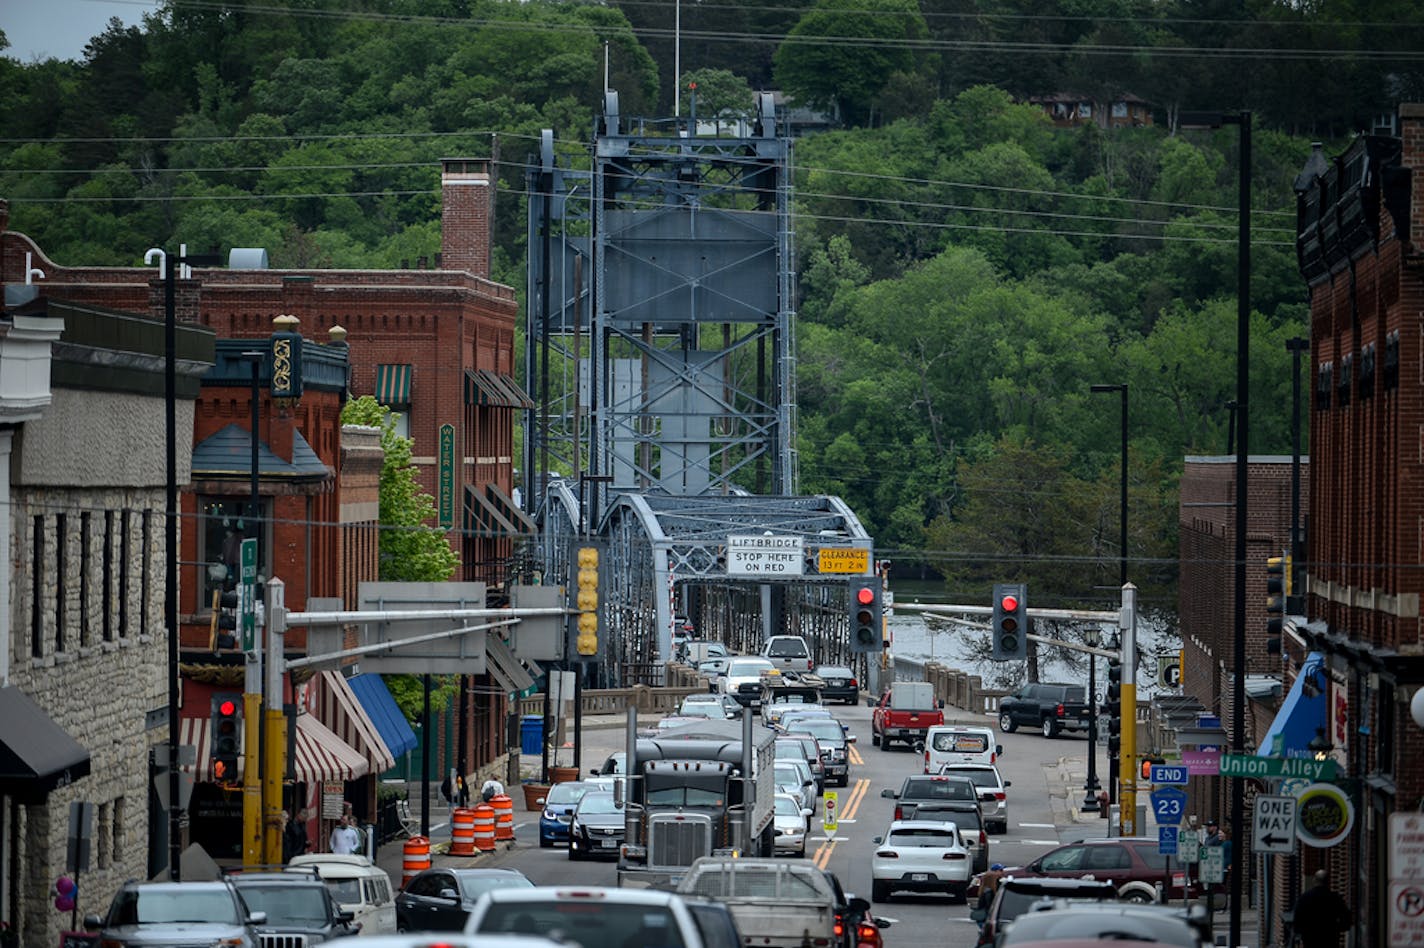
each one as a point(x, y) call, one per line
point(558, 810)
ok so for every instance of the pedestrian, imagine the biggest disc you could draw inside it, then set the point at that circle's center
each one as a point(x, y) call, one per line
point(1320, 915)
point(491, 789)
point(345, 840)
point(988, 885)
point(294, 836)
point(462, 792)
point(1213, 834)
point(447, 790)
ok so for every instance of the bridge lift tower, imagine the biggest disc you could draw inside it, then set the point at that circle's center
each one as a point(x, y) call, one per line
point(660, 356)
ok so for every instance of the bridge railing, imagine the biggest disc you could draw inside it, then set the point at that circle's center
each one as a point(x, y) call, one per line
point(647, 699)
point(956, 688)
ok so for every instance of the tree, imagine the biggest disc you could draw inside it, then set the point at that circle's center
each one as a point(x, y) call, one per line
point(843, 53)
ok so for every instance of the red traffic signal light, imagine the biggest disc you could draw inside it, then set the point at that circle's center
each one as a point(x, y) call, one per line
point(227, 707)
point(865, 595)
point(1009, 604)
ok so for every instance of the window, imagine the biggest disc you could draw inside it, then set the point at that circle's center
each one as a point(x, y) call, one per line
point(145, 589)
point(116, 848)
point(1106, 857)
point(1068, 859)
point(1085, 110)
point(125, 558)
point(106, 598)
point(222, 528)
point(1119, 110)
point(86, 563)
point(61, 575)
point(37, 586)
point(102, 834)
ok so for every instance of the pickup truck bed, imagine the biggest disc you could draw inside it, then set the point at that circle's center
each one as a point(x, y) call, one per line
point(775, 903)
point(905, 713)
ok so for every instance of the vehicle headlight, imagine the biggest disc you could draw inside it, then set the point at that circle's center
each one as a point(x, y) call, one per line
point(549, 814)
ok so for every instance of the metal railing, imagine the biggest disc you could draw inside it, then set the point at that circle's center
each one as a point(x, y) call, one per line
point(956, 688)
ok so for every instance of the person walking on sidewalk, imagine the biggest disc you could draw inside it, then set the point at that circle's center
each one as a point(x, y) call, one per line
point(1320, 915)
point(345, 840)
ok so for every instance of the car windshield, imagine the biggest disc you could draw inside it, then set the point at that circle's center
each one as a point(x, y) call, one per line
point(821, 729)
point(953, 789)
point(474, 886)
point(787, 648)
point(566, 793)
point(788, 751)
point(299, 906)
point(747, 667)
point(982, 776)
point(683, 796)
point(701, 709)
point(602, 924)
point(140, 907)
point(785, 806)
point(937, 837)
point(597, 802)
point(1068, 925)
point(345, 891)
point(787, 773)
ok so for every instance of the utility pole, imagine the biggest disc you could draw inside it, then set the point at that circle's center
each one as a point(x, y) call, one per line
point(1127, 762)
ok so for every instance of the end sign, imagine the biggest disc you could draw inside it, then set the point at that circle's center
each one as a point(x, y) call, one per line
point(1273, 825)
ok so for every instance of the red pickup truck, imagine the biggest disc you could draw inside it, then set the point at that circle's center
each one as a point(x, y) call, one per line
point(906, 711)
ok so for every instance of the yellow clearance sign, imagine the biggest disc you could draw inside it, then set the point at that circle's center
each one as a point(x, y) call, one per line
point(843, 560)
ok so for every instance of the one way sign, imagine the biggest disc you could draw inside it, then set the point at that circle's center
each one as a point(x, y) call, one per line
point(1273, 825)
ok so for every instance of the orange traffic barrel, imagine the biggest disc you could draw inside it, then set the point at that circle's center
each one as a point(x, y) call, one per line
point(462, 831)
point(415, 858)
point(484, 827)
point(503, 817)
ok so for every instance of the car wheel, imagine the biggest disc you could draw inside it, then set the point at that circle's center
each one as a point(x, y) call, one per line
point(845, 781)
point(874, 740)
point(959, 893)
point(1003, 827)
point(1050, 727)
point(545, 842)
point(879, 892)
point(1006, 723)
point(1136, 895)
point(575, 853)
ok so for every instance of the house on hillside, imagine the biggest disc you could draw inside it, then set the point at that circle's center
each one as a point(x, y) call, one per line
point(1071, 110)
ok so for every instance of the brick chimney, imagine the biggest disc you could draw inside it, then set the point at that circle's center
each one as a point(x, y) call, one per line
point(1411, 130)
point(467, 219)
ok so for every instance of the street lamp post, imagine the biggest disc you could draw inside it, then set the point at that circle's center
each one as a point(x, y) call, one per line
point(167, 266)
point(1243, 417)
point(1091, 786)
point(1121, 389)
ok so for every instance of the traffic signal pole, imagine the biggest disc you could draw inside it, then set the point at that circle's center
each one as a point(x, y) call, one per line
point(1127, 763)
point(274, 750)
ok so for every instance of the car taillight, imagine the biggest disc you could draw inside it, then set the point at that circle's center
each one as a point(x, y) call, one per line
point(854, 683)
point(927, 761)
point(953, 856)
point(1000, 796)
point(983, 839)
point(840, 924)
point(897, 814)
point(1060, 710)
point(888, 854)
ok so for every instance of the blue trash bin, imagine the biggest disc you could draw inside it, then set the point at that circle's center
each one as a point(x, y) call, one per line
point(531, 735)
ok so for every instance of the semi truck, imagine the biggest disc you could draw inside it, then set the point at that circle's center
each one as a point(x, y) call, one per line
point(701, 789)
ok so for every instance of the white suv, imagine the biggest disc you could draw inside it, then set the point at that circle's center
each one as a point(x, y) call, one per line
point(790, 653)
point(596, 917)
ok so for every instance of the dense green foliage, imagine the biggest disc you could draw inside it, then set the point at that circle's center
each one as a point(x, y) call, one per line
point(966, 270)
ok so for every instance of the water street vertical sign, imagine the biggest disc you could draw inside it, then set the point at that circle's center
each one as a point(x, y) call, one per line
point(247, 595)
point(446, 478)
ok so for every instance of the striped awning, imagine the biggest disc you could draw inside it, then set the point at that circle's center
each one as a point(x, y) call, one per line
point(491, 388)
point(393, 384)
point(338, 709)
point(321, 755)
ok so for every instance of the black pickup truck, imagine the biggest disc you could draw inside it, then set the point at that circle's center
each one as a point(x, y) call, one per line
point(1051, 707)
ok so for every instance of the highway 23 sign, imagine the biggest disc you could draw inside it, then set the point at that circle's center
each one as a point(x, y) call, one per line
point(1273, 825)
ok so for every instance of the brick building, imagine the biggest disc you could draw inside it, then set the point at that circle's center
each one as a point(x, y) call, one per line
point(435, 345)
point(83, 644)
point(1207, 544)
point(1358, 643)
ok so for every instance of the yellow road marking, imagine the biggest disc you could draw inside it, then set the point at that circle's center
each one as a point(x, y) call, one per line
point(854, 755)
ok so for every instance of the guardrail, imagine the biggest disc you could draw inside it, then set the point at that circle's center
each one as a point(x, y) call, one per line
point(650, 699)
point(956, 688)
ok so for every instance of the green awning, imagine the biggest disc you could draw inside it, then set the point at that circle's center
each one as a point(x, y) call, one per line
point(393, 384)
point(491, 388)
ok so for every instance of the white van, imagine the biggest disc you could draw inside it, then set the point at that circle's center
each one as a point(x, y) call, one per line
point(359, 887)
point(959, 744)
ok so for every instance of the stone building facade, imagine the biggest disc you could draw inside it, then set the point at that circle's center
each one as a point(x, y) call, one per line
point(85, 636)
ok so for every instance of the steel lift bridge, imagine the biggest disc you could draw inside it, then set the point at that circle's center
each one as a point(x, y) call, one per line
point(660, 357)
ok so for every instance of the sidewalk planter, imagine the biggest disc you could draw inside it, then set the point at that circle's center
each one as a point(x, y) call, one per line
point(563, 774)
point(533, 793)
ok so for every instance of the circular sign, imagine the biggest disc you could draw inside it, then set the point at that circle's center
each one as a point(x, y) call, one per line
point(1324, 815)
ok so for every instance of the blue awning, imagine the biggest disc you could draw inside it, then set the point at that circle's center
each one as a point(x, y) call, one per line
point(390, 723)
point(1300, 714)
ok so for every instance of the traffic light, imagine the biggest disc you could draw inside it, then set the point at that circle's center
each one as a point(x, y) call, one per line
point(1112, 706)
point(866, 611)
point(226, 735)
point(1278, 588)
point(1009, 628)
point(588, 599)
point(224, 626)
point(1147, 763)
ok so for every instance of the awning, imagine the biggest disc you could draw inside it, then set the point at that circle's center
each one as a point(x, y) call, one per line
point(490, 388)
point(36, 754)
point(376, 698)
point(321, 755)
point(489, 512)
point(504, 667)
point(393, 384)
point(338, 709)
point(1300, 714)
